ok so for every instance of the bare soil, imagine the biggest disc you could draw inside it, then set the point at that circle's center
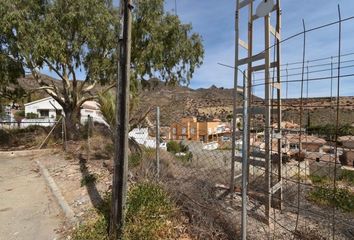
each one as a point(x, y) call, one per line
point(27, 209)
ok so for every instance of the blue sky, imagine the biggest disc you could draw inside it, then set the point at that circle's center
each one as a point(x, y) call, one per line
point(214, 20)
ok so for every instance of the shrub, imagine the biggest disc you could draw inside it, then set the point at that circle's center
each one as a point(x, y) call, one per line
point(148, 212)
point(319, 179)
point(183, 148)
point(134, 160)
point(186, 158)
point(20, 114)
point(4, 137)
point(95, 229)
point(323, 192)
point(173, 147)
point(347, 176)
point(32, 115)
point(341, 198)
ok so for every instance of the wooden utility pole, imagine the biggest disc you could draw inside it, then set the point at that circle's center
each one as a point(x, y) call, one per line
point(119, 187)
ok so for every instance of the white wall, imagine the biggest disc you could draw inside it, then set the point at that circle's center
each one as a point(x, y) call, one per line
point(141, 136)
point(96, 116)
point(46, 122)
point(45, 104)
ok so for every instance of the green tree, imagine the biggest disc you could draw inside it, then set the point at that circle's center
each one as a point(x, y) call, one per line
point(71, 36)
point(10, 71)
point(66, 37)
point(162, 45)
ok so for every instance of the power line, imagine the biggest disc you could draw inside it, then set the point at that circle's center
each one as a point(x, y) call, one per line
point(307, 72)
point(306, 31)
point(308, 61)
point(310, 79)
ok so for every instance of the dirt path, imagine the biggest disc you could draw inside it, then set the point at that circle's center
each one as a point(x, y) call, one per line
point(27, 209)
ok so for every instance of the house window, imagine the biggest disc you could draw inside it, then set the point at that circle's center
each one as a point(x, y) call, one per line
point(192, 131)
point(184, 130)
point(294, 146)
point(44, 113)
point(174, 130)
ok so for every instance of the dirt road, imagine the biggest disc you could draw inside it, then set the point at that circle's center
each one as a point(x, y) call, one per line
point(27, 209)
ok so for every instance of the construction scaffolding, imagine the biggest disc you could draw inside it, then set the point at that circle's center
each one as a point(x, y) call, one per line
point(269, 110)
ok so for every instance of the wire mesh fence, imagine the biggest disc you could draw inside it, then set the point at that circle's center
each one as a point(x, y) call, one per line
point(190, 155)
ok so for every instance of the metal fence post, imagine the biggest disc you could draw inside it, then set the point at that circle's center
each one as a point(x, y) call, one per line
point(63, 132)
point(244, 158)
point(234, 99)
point(88, 136)
point(157, 142)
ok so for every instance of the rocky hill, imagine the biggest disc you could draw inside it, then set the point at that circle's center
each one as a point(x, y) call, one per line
point(213, 102)
point(175, 102)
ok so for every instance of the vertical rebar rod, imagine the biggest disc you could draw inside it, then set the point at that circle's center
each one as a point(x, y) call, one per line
point(331, 99)
point(287, 81)
point(88, 137)
point(245, 157)
point(157, 142)
point(63, 133)
point(337, 120)
point(234, 114)
point(267, 120)
point(301, 115)
point(279, 110)
point(249, 72)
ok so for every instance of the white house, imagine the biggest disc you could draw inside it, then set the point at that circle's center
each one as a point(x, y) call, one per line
point(141, 136)
point(44, 108)
point(45, 112)
point(92, 109)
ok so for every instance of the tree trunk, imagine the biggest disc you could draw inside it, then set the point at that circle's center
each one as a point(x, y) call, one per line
point(72, 122)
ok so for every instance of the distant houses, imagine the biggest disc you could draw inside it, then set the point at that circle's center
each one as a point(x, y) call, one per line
point(188, 128)
point(348, 150)
point(46, 111)
point(142, 137)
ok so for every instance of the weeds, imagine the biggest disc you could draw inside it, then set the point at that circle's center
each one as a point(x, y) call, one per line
point(88, 179)
point(134, 160)
point(347, 176)
point(319, 179)
point(324, 194)
point(94, 229)
point(4, 137)
point(341, 198)
point(148, 211)
point(188, 157)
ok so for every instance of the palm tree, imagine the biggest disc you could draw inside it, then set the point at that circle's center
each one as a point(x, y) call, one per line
point(108, 105)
